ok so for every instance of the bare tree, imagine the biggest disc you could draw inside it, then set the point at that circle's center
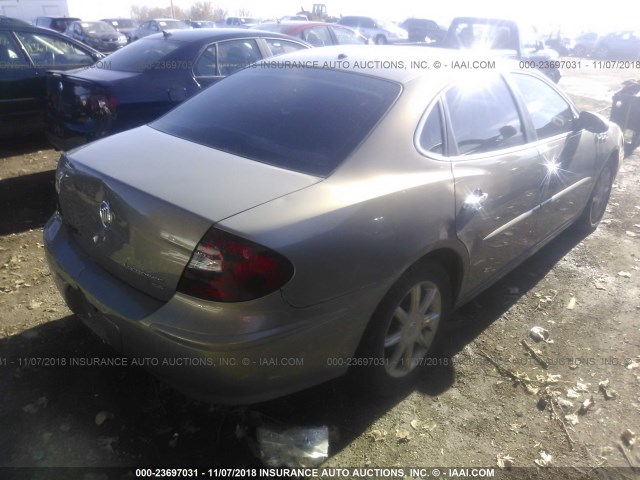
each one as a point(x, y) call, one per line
point(139, 13)
point(243, 12)
point(145, 13)
point(202, 11)
point(219, 14)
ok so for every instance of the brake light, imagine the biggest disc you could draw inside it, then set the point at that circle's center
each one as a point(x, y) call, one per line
point(228, 268)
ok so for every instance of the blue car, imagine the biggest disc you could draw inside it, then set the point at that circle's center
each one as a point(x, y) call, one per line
point(26, 54)
point(147, 78)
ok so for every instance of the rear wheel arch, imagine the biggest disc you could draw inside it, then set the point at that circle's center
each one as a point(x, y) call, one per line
point(451, 261)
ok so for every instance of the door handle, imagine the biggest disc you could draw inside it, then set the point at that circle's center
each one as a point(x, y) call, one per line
point(475, 200)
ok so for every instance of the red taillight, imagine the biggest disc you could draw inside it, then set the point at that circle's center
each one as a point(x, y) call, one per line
point(227, 268)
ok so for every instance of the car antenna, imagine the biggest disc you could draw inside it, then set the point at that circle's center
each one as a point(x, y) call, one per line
point(166, 34)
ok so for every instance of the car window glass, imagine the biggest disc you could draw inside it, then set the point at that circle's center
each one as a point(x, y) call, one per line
point(308, 120)
point(207, 63)
point(432, 134)
point(9, 52)
point(550, 113)
point(234, 55)
point(46, 50)
point(318, 36)
point(344, 36)
point(144, 54)
point(350, 21)
point(483, 116)
point(279, 46)
point(367, 23)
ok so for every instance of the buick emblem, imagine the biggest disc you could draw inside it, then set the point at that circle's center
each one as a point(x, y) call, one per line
point(60, 86)
point(106, 216)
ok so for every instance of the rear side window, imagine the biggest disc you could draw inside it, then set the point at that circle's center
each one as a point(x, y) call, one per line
point(280, 47)
point(307, 120)
point(345, 36)
point(10, 53)
point(483, 116)
point(432, 133)
point(318, 36)
point(234, 55)
point(550, 113)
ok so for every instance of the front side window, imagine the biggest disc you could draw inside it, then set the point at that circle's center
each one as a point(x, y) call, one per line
point(550, 113)
point(47, 50)
point(483, 116)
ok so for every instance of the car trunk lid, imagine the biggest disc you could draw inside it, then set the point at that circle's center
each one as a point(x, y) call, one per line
point(139, 202)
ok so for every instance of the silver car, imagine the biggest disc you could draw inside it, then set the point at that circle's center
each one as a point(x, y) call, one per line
point(376, 30)
point(290, 221)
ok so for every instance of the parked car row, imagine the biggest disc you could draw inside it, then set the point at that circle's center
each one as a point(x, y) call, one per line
point(317, 34)
point(624, 44)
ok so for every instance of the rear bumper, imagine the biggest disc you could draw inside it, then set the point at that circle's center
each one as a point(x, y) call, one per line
point(225, 353)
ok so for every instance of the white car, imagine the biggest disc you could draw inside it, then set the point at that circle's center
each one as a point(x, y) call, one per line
point(378, 31)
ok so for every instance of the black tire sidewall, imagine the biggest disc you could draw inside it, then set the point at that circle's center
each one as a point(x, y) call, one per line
point(372, 344)
point(584, 222)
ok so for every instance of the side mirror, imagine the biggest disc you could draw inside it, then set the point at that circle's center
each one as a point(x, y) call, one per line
point(592, 122)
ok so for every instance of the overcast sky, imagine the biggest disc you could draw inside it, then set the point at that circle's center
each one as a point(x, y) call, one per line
point(574, 14)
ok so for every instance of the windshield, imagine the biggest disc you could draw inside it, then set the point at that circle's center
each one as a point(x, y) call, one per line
point(122, 23)
point(307, 120)
point(143, 54)
point(172, 25)
point(97, 27)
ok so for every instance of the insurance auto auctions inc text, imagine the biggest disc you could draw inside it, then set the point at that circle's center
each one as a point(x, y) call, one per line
point(370, 473)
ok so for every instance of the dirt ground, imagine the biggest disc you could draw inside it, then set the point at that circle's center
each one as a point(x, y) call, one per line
point(488, 403)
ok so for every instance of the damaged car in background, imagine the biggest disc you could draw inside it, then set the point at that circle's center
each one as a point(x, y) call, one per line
point(320, 215)
point(148, 78)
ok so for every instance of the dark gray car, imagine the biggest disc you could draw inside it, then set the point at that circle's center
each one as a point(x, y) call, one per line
point(99, 35)
point(290, 222)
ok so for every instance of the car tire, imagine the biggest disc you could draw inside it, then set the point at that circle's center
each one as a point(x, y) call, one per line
point(405, 327)
point(381, 40)
point(598, 200)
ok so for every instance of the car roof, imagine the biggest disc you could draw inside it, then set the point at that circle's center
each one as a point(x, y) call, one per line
point(196, 34)
point(25, 27)
point(73, 19)
point(9, 21)
point(379, 62)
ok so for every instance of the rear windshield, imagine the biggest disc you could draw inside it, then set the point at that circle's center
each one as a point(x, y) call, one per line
point(143, 54)
point(307, 120)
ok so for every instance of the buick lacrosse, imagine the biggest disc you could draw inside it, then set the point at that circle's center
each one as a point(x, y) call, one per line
point(290, 222)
